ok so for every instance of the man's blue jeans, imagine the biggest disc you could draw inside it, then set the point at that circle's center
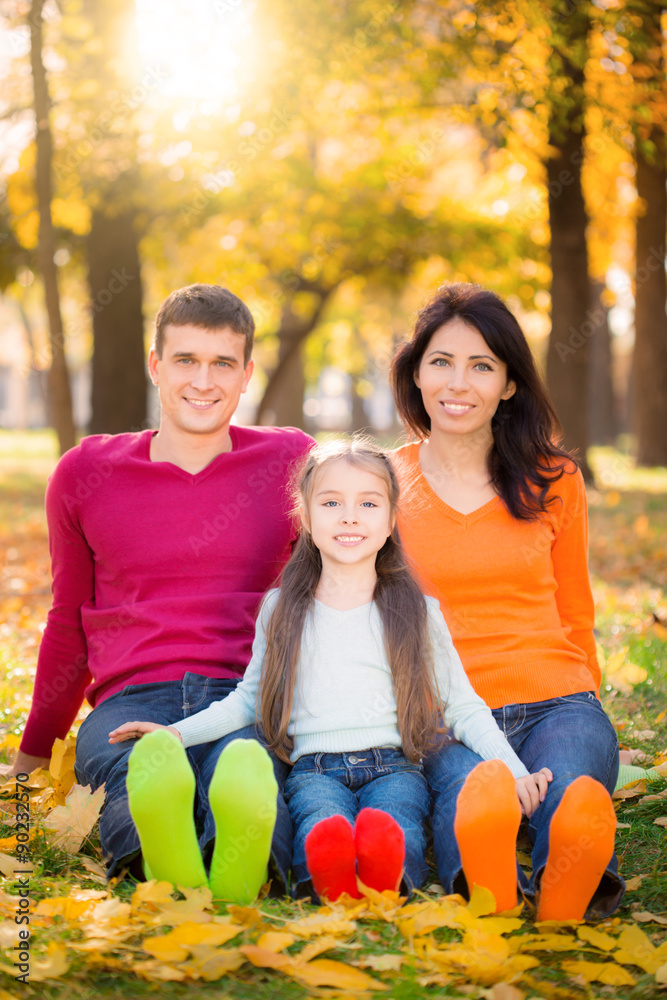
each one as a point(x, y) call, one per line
point(99, 762)
point(572, 736)
point(321, 785)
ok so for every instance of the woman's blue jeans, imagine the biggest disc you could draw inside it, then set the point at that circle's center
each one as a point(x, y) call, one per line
point(321, 785)
point(99, 762)
point(570, 735)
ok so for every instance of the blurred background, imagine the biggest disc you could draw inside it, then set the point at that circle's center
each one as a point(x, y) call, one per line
point(332, 162)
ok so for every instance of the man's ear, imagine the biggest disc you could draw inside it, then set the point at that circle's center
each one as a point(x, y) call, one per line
point(152, 365)
point(247, 374)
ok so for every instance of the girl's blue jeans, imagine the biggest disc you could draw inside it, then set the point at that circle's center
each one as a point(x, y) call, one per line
point(326, 784)
point(570, 735)
point(99, 762)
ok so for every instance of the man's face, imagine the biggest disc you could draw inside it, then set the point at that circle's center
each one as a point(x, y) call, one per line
point(200, 378)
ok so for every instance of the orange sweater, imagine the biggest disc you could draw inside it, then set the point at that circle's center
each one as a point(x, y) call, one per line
point(515, 594)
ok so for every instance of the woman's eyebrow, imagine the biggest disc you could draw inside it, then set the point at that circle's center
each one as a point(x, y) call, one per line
point(472, 357)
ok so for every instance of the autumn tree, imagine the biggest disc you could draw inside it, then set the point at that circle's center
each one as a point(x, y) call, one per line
point(650, 355)
point(59, 395)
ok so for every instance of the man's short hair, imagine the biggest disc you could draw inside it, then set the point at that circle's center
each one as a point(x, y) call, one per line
point(209, 306)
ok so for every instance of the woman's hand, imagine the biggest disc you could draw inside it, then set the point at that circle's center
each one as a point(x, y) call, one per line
point(135, 730)
point(532, 790)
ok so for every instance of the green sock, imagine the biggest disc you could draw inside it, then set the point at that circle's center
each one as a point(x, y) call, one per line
point(161, 792)
point(242, 795)
point(627, 773)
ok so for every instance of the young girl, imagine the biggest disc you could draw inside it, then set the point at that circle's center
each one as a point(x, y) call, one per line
point(351, 672)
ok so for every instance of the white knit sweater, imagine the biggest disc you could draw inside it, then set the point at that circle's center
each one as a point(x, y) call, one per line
point(344, 696)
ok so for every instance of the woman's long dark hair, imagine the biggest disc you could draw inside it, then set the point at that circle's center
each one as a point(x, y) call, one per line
point(525, 459)
point(397, 596)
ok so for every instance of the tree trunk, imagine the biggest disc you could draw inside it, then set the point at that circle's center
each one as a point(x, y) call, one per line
point(59, 391)
point(649, 369)
point(119, 393)
point(282, 402)
point(571, 324)
point(602, 406)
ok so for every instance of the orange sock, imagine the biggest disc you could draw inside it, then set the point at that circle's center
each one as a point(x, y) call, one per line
point(487, 821)
point(380, 846)
point(581, 844)
point(330, 858)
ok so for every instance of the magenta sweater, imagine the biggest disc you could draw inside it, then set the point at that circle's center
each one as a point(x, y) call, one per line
point(156, 572)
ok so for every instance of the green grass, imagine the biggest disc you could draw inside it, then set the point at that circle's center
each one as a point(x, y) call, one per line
point(628, 515)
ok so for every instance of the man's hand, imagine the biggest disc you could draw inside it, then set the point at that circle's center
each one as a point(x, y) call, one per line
point(24, 763)
point(533, 789)
point(135, 730)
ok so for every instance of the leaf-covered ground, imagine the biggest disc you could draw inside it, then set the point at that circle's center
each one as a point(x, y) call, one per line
point(89, 939)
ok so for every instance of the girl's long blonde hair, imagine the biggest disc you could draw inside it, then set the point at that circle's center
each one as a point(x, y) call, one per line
point(397, 596)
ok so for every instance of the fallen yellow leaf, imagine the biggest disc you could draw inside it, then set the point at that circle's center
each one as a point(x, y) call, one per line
point(597, 938)
point(54, 965)
point(263, 958)
point(214, 966)
point(602, 972)
point(646, 917)
point(482, 901)
point(636, 948)
point(157, 972)
point(634, 883)
point(72, 822)
point(274, 940)
point(382, 963)
point(660, 821)
point(325, 921)
point(326, 972)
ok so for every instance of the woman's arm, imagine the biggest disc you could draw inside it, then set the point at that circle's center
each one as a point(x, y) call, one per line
point(569, 554)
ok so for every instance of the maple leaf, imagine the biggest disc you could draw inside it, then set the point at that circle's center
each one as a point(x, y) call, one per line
point(71, 823)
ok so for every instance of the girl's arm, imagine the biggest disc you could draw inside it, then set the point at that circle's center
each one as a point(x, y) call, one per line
point(569, 554)
point(234, 712)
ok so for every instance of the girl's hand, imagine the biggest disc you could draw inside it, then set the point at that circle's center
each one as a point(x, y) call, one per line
point(532, 790)
point(135, 730)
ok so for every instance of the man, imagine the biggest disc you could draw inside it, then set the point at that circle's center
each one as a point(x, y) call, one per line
point(162, 544)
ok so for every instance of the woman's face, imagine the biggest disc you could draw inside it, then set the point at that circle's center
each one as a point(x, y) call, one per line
point(461, 380)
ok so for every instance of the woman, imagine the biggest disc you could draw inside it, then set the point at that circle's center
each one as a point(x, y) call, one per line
point(495, 522)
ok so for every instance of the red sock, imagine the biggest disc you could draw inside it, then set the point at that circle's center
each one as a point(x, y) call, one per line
point(380, 845)
point(330, 858)
point(581, 844)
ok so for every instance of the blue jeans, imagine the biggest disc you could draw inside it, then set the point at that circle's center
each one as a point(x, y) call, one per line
point(99, 762)
point(570, 735)
point(321, 785)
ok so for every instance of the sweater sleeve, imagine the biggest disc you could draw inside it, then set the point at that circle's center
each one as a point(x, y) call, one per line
point(62, 665)
point(238, 709)
point(569, 554)
point(466, 714)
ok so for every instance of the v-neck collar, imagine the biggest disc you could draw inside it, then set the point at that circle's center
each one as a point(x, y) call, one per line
point(451, 512)
point(191, 477)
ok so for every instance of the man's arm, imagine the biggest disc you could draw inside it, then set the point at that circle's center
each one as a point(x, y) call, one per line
point(24, 763)
point(62, 671)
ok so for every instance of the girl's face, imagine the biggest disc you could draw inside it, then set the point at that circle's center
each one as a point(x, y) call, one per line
point(461, 380)
point(349, 515)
